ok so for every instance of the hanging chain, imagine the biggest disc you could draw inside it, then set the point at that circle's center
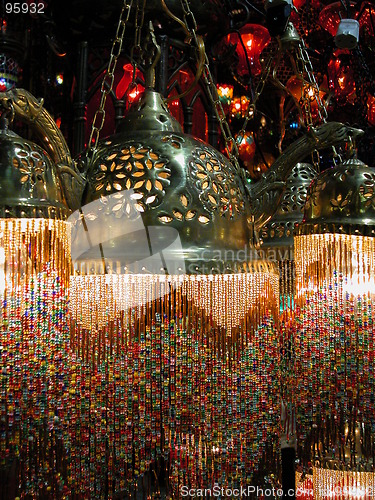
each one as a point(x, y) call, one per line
point(230, 143)
point(304, 67)
point(136, 51)
point(109, 76)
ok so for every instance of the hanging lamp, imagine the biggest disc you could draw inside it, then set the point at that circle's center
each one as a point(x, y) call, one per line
point(334, 254)
point(34, 278)
point(252, 39)
point(171, 302)
point(277, 234)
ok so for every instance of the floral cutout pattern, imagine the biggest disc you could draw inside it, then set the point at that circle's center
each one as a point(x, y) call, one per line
point(217, 184)
point(185, 213)
point(367, 190)
point(30, 163)
point(134, 167)
point(118, 205)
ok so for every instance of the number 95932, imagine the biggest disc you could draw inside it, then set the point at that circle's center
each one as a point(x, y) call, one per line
point(24, 8)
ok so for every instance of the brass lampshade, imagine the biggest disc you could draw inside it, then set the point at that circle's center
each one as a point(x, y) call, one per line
point(35, 268)
point(278, 232)
point(167, 282)
point(29, 182)
point(341, 201)
point(180, 186)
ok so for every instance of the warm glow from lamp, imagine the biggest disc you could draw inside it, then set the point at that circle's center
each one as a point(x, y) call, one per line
point(300, 90)
point(255, 38)
point(246, 148)
point(2, 271)
point(342, 484)
point(371, 109)
point(126, 85)
point(239, 107)
point(341, 76)
point(225, 92)
point(355, 267)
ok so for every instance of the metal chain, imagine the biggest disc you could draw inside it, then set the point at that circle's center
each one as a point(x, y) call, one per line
point(109, 76)
point(139, 19)
point(230, 142)
point(336, 157)
point(305, 67)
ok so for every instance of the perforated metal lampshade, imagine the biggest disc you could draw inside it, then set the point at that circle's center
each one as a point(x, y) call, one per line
point(29, 183)
point(341, 201)
point(175, 186)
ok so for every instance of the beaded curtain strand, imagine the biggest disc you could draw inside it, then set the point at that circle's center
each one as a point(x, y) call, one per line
point(34, 358)
point(335, 334)
point(200, 385)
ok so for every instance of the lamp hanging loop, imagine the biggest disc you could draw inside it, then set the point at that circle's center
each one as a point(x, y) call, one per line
point(109, 76)
point(9, 111)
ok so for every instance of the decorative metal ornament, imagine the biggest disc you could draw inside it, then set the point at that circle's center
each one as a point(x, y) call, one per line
point(35, 269)
point(278, 231)
point(188, 311)
point(31, 111)
point(266, 194)
point(29, 183)
point(341, 201)
point(177, 181)
point(276, 235)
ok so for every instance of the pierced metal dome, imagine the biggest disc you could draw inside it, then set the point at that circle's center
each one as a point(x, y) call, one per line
point(341, 200)
point(29, 183)
point(278, 232)
point(176, 183)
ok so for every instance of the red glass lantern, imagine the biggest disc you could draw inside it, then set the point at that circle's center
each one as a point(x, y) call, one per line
point(255, 38)
point(371, 109)
point(246, 148)
point(366, 19)
point(125, 85)
point(239, 106)
point(330, 16)
point(341, 76)
point(225, 92)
